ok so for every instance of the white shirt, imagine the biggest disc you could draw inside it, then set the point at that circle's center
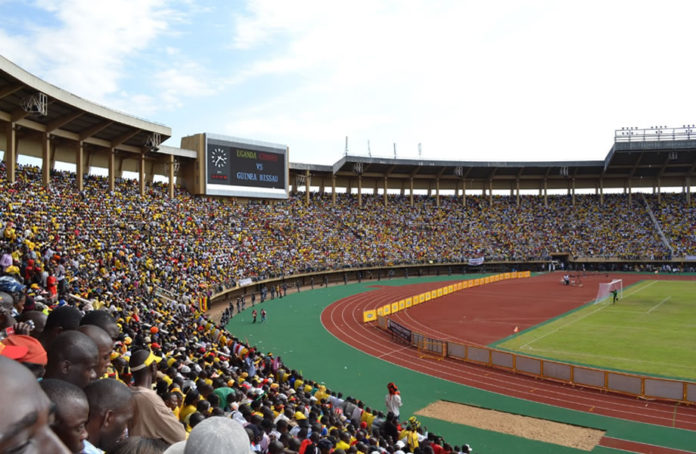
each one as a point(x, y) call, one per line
point(393, 402)
point(90, 449)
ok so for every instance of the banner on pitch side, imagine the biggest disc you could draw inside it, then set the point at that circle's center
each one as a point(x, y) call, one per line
point(369, 316)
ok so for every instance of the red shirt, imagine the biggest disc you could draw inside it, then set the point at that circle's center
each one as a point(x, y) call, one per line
point(51, 285)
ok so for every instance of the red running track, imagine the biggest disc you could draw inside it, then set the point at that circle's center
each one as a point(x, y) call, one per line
point(485, 314)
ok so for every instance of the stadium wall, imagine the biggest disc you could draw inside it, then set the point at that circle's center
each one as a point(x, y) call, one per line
point(377, 273)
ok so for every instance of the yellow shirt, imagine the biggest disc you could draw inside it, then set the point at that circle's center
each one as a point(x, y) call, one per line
point(186, 412)
point(367, 418)
point(411, 438)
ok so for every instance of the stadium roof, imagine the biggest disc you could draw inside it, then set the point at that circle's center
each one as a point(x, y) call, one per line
point(639, 157)
point(37, 105)
point(643, 161)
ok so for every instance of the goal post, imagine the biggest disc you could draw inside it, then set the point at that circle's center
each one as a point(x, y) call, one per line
point(606, 288)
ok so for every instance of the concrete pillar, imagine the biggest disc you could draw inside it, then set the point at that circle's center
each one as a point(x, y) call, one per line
point(490, 193)
point(630, 192)
point(573, 192)
point(601, 191)
point(688, 191)
point(437, 192)
point(141, 173)
point(546, 193)
point(360, 191)
point(150, 174)
point(112, 169)
point(308, 179)
point(11, 152)
point(517, 192)
point(463, 193)
point(80, 164)
point(46, 160)
point(171, 176)
point(411, 191)
point(385, 192)
point(333, 189)
point(659, 191)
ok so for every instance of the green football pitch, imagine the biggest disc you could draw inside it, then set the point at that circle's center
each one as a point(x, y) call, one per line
point(650, 330)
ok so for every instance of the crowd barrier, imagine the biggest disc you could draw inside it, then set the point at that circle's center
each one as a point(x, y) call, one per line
point(645, 387)
point(396, 306)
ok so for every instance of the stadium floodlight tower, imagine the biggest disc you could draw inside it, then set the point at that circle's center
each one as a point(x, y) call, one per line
point(36, 104)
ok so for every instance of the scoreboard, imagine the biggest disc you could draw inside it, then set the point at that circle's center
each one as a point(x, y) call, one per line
point(245, 168)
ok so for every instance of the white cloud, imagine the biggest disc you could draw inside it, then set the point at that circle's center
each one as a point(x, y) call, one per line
point(187, 79)
point(87, 51)
point(471, 80)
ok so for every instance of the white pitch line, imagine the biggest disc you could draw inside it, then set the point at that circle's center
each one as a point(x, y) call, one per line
point(603, 305)
point(391, 352)
point(562, 326)
point(658, 304)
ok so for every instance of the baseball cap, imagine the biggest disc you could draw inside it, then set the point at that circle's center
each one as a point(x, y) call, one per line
point(149, 360)
point(12, 351)
point(35, 353)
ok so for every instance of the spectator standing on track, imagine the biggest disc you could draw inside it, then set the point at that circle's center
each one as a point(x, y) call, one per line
point(263, 315)
point(253, 315)
point(393, 399)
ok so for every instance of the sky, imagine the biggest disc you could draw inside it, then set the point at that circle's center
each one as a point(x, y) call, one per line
point(467, 80)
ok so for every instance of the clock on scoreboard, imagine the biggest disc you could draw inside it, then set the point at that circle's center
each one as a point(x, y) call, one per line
point(218, 165)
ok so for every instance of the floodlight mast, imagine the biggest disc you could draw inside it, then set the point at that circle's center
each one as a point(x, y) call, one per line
point(36, 104)
point(655, 133)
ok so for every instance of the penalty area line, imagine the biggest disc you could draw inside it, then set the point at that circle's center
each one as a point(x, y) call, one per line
point(602, 305)
point(658, 304)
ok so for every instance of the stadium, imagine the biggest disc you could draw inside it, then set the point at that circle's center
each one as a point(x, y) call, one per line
point(526, 306)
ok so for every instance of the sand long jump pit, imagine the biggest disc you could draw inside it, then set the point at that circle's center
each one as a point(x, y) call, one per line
point(543, 430)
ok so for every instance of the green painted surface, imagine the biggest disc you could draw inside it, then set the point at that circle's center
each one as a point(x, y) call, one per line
point(294, 331)
point(650, 331)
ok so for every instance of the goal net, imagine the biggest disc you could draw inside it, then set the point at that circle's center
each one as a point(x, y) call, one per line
point(606, 288)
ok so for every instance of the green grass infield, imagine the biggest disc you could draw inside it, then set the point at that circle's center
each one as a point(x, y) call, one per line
point(649, 330)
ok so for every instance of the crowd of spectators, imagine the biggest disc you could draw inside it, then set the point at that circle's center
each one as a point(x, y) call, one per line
point(124, 369)
point(677, 218)
point(79, 308)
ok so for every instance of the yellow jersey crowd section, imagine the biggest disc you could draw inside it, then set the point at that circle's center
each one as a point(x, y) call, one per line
point(396, 306)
